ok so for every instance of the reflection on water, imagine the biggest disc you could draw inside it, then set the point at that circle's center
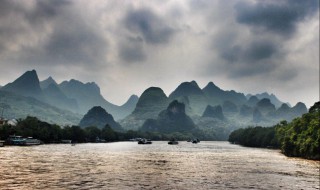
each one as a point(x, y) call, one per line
point(127, 165)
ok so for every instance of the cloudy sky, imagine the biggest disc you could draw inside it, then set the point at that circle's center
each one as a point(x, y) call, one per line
point(127, 46)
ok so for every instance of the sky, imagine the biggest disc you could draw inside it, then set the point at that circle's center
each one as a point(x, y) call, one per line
point(127, 46)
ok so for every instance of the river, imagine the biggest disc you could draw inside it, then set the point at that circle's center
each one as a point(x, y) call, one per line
point(127, 165)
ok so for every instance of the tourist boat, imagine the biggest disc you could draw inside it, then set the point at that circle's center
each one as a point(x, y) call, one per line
point(31, 141)
point(144, 141)
point(18, 140)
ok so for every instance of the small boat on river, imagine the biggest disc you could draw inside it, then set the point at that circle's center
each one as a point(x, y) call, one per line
point(195, 141)
point(1, 143)
point(144, 141)
point(173, 142)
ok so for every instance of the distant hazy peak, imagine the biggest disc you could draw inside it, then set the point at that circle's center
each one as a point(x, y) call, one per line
point(97, 109)
point(284, 106)
point(194, 83)
point(253, 98)
point(300, 105)
point(274, 100)
point(132, 100)
point(27, 82)
point(264, 101)
point(186, 89)
point(76, 84)
point(45, 83)
point(211, 86)
point(153, 89)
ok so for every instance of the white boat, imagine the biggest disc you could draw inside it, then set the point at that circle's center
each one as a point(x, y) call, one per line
point(18, 140)
point(31, 141)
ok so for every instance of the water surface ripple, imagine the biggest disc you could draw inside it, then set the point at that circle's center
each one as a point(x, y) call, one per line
point(127, 165)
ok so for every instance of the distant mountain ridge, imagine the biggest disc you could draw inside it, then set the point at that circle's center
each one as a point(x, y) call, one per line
point(218, 96)
point(211, 109)
point(274, 100)
point(210, 106)
point(16, 106)
point(72, 95)
point(45, 83)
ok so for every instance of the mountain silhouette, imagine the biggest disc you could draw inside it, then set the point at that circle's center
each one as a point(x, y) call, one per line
point(45, 83)
point(218, 96)
point(265, 106)
point(273, 99)
point(26, 85)
point(151, 102)
point(55, 96)
point(214, 112)
point(173, 119)
point(99, 117)
point(191, 92)
point(186, 89)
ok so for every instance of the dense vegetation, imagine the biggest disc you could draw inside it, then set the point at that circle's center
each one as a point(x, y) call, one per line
point(51, 133)
point(300, 138)
point(255, 137)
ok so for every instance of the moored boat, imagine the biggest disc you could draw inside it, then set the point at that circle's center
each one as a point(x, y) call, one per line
point(144, 141)
point(195, 141)
point(1, 143)
point(173, 142)
point(18, 140)
point(31, 141)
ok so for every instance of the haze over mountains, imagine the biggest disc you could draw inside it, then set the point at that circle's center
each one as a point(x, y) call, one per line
point(73, 96)
point(188, 107)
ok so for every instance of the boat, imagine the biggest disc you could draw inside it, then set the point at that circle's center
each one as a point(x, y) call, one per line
point(31, 141)
point(18, 140)
point(195, 141)
point(173, 142)
point(144, 141)
point(66, 141)
point(1, 143)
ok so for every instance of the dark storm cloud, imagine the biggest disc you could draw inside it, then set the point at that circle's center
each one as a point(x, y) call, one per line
point(70, 39)
point(272, 24)
point(278, 18)
point(149, 26)
point(248, 58)
point(46, 9)
point(132, 50)
point(248, 52)
point(71, 46)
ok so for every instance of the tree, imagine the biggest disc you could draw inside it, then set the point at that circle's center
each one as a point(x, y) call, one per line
point(92, 133)
point(108, 134)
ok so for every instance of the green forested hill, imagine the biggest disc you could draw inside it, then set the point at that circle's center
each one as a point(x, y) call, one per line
point(299, 138)
point(16, 106)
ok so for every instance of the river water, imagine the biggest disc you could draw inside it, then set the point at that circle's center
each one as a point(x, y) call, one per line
point(127, 165)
